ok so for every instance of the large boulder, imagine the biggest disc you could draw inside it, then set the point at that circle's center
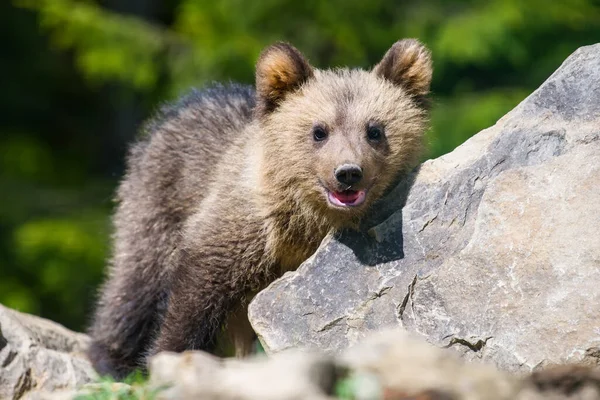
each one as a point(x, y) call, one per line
point(492, 249)
point(37, 354)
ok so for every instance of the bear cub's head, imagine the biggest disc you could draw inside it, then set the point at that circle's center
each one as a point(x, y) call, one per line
point(334, 140)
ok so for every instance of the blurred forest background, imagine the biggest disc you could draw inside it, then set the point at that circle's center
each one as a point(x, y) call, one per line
point(79, 76)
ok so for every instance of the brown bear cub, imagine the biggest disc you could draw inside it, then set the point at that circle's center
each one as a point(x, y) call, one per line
point(231, 187)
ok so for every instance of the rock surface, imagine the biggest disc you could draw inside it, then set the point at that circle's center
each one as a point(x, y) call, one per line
point(405, 366)
point(494, 251)
point(389, 365)
point(37, 354)
point(197, 375)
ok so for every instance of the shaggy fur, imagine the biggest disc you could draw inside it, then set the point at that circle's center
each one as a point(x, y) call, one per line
point(229, 189)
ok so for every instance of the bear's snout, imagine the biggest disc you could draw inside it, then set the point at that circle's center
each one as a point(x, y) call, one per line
point(348, 174)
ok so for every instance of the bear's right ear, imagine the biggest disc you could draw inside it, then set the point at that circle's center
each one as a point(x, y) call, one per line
point(280, 69)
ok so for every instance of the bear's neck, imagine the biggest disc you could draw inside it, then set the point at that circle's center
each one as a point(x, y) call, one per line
point(294, 231)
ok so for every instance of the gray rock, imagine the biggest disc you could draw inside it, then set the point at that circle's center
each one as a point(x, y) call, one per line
point(409, 368)
point(388, 365)
point(37, 354)
point(198, 375)
point(494, 251)
point(391, 365)
point(573, 382)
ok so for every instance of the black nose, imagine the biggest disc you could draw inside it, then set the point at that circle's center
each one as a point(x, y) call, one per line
point(348, 174)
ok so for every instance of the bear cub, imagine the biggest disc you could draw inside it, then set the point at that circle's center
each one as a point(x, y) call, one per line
point(232, 186)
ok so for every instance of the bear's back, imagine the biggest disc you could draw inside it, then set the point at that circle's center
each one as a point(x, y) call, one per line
point(174, 163)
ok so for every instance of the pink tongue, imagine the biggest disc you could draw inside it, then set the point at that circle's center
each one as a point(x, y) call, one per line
point(347, 196)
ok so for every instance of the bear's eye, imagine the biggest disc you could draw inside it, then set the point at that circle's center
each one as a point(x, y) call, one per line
point(319, 133)
point(374, 132)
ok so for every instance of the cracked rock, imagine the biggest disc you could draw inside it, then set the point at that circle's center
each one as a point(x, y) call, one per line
point(37, 354)
point(492, 250)
point(405, 364)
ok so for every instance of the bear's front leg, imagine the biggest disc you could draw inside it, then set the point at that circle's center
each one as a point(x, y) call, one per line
point(216, 266)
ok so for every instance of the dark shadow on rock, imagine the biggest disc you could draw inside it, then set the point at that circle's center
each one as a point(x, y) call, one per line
point(366, 246)
point(3, 341)
point(509, 150)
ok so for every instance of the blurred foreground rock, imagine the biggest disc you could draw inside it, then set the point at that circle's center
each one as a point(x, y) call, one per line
point(390, 365)
point(196, 375)
point(494, 251)
point(37, 354)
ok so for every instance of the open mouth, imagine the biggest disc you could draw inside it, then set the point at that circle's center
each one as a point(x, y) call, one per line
point(347, 198)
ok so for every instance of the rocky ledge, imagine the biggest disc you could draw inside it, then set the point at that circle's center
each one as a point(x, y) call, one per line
point(37, 354)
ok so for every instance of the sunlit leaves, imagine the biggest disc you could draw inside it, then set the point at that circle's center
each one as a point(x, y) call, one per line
point(63, 259)
point(107, 46)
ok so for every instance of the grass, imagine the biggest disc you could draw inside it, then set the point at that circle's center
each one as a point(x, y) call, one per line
point(134, 387)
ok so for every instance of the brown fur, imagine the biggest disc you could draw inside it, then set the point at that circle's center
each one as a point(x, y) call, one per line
point(407, 64)
point(224, 195)
point(279, 70)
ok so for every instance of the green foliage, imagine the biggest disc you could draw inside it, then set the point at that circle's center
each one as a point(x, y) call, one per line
point(108, 46)
point(494, 51)
point(82, 74)
point(134, 387)
point(54, 252)
point(358, 385)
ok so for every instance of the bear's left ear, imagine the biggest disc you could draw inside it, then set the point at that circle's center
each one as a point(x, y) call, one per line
point(408, 64)
point(280, 69)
